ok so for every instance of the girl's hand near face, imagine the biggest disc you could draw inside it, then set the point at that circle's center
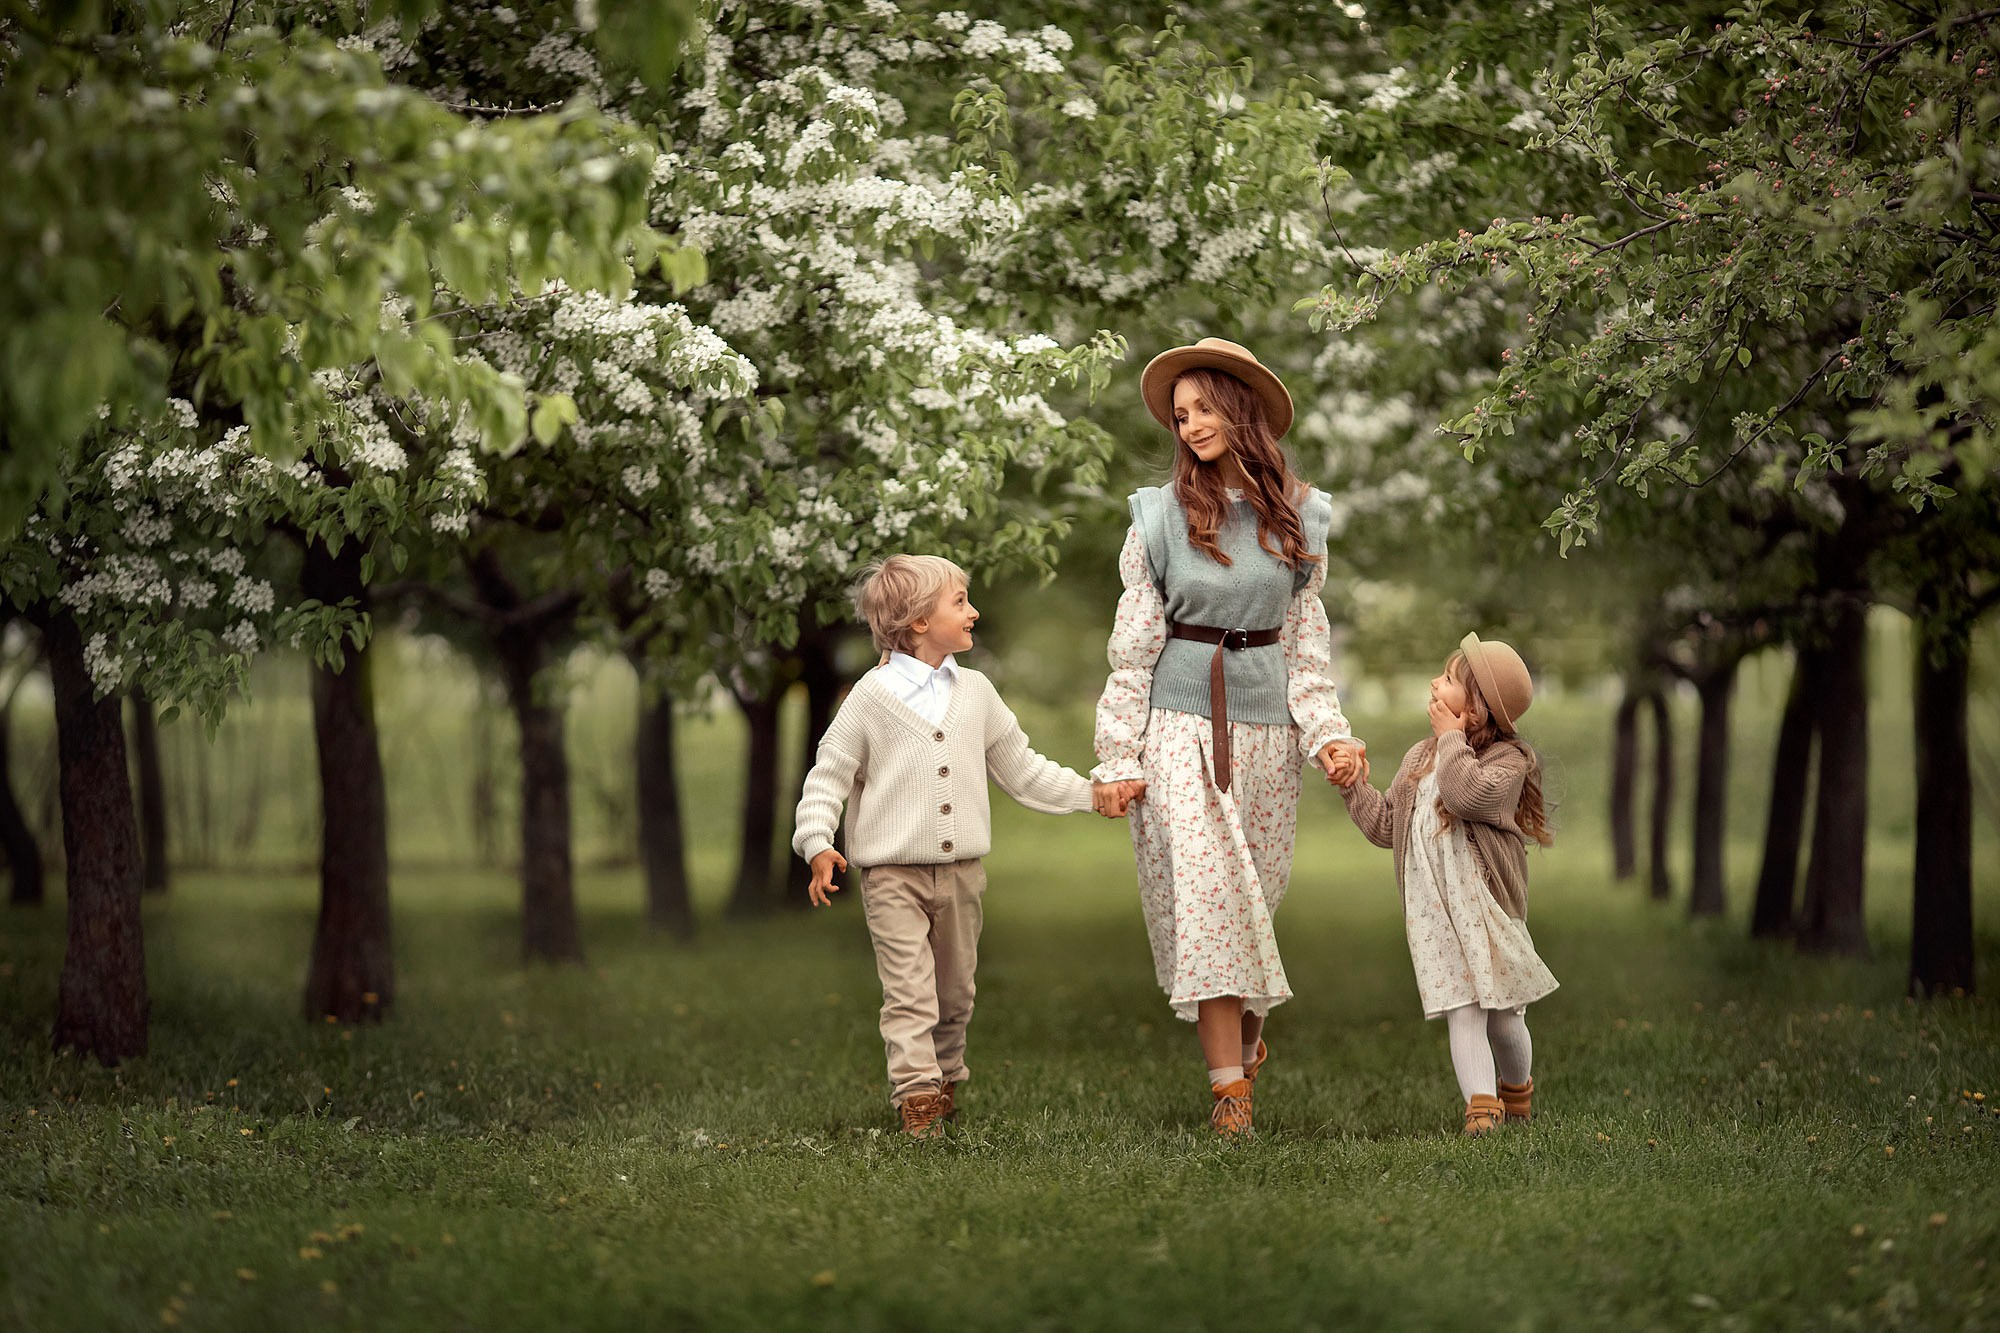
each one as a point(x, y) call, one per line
point(1443, 719)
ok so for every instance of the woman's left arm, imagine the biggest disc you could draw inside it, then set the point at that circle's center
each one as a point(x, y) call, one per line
point(1309, 688)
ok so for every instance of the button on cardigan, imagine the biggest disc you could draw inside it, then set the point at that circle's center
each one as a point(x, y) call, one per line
point(915, 791)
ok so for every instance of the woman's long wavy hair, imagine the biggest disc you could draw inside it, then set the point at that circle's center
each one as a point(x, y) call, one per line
point(1275, 489)
point(1483, 731)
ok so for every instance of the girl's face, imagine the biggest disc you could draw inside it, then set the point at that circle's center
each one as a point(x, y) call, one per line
point(1199, 428)
point(1449, 690)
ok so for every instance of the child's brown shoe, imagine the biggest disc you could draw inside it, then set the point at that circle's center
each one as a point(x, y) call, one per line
point(947, 1093)
point(1230, 1116)
point(1483, 1115)
point(923, 1115)
point(1263, 1054)
point(1517, 1098)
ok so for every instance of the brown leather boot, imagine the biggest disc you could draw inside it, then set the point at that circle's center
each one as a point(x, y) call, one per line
point(1483, 1115)
point(923, 1115)
point(947, 1092)
point(1517, 1099)
point(1230, 1116)
point(1263, 1054)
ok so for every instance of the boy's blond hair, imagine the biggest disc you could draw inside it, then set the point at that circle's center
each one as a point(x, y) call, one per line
point(896, 593)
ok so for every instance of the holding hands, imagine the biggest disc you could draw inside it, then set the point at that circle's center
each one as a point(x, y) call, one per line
point(822, 884)
point(1345, 762)
point(1111, 799)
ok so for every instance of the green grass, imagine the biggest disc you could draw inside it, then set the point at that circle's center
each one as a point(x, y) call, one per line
point(698, 1137)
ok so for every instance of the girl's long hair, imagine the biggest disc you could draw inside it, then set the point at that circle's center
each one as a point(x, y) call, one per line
point(1275, 490)
point(1484, 731)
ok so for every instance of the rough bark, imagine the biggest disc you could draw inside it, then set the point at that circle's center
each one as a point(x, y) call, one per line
point(1659, 878)
point(755, 860)
point(549, 930)
point(1835, 875)
point(352, 976)
point(1708, 893)
point(17, 837)
point(1624, 774)
point(102, 1006)
point(152, 794)
point(1774, 913)
point(662, 837)
point(1941, 953)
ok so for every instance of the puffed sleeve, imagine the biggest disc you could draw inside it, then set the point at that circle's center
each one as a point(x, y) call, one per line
point(1137, 636)
point(1309, 688)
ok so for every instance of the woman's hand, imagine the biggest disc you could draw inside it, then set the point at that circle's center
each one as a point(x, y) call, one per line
point(1345, 762)
point(1443, 719)
point(1111, 799)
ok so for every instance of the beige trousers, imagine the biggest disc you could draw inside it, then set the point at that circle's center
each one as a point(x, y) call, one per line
point(925, 924)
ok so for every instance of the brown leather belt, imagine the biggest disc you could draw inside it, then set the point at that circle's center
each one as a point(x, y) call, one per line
point(1233, 640)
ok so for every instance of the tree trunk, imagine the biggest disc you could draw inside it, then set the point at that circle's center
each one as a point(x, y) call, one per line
point(1660, 882)
point(1784, 821)
point(1624, 766)
point(485, 796)
point(1835, 876)
point(821, 678)
point(1941, 960)
point(17, 838)
point(754, 863)
point(152, 793)
point(662, 838)
point(352, 976)
point(1708, 895)
point(549, 929)
point(101, 1005)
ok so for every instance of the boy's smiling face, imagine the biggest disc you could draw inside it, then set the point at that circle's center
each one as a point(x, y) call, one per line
point(948, 627)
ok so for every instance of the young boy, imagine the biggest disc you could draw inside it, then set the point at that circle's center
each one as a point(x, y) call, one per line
point(909, 754)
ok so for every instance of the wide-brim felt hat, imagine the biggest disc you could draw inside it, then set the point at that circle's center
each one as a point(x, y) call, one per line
point(1156, 382)
point(1502, 675)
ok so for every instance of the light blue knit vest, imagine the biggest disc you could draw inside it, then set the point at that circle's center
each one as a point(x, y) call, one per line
point(1252, 592)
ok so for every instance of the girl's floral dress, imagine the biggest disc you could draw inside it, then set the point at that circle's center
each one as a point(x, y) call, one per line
point(1213, 865)
point(1465, 948)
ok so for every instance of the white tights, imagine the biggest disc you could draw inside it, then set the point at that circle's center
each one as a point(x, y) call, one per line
point(1488, 1044)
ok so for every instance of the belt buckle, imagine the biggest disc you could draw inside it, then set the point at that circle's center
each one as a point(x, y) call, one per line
point(1241, 639)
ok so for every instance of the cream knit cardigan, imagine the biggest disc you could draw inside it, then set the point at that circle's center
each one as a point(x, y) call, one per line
point(916, 793)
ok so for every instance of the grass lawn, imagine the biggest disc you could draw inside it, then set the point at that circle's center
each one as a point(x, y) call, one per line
point(1730, 1136)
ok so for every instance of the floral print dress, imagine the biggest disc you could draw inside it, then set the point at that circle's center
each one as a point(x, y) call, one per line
point(1465, 948)
point(1213, 865)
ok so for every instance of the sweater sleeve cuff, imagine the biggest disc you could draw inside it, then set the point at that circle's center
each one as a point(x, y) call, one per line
point(809, 845)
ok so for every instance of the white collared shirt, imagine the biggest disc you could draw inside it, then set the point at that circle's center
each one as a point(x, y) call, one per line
point(927, 692)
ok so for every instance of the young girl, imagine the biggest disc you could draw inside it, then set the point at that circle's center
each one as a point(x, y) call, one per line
point(1460, 813)
point(1219, 688)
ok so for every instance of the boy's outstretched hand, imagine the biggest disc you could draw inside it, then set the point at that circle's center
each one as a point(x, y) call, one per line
point(822, 884)
point(1111, 799)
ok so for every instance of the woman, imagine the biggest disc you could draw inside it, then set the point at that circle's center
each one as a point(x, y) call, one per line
point(1218, 685)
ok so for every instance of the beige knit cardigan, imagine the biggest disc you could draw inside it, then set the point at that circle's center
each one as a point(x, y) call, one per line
point(915, 791)
point(1482, 790)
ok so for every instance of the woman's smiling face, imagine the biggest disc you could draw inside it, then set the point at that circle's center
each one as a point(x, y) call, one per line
point(1195, 421)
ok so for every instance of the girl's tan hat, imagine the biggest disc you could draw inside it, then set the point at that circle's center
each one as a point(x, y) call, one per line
point(1156, 383)
point(1502, 676)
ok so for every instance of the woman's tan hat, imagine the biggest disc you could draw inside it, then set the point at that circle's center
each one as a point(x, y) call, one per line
point(1502, 676)
point(1156, 383)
